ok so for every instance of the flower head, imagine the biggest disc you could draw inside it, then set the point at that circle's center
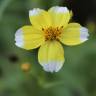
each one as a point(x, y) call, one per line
point(48, 29)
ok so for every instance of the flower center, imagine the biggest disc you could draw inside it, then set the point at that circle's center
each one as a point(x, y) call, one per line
point(52, 33)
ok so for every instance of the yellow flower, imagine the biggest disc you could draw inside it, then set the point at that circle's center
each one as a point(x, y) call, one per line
point(48, 29)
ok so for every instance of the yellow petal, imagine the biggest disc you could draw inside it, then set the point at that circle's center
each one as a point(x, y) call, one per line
point(29, 37)
point(51, 56)
point(74, 34)
point(60, 16)
point(39, 18)
point(71, 14)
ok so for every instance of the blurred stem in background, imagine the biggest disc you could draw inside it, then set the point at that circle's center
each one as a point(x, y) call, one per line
point(47, 85)
point(3, 6)
point(55, 2)
point(44, 4)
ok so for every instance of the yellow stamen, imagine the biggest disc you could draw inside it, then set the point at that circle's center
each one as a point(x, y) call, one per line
point(52, 33)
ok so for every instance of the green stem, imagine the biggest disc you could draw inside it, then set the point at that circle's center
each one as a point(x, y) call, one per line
point(51, 84)
point(3, 6)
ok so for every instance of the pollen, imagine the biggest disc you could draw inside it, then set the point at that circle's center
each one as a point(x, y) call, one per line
point(52, 33)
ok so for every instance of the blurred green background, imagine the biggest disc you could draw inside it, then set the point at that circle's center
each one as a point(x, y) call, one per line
point(78, 75)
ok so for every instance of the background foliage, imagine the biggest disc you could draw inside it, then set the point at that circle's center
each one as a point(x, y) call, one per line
point(76, 78)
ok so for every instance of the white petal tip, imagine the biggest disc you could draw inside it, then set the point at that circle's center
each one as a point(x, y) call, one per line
point(19, 38)
point(59, 9)
point(35, 11)
point(52, 66)
point(84, 34)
